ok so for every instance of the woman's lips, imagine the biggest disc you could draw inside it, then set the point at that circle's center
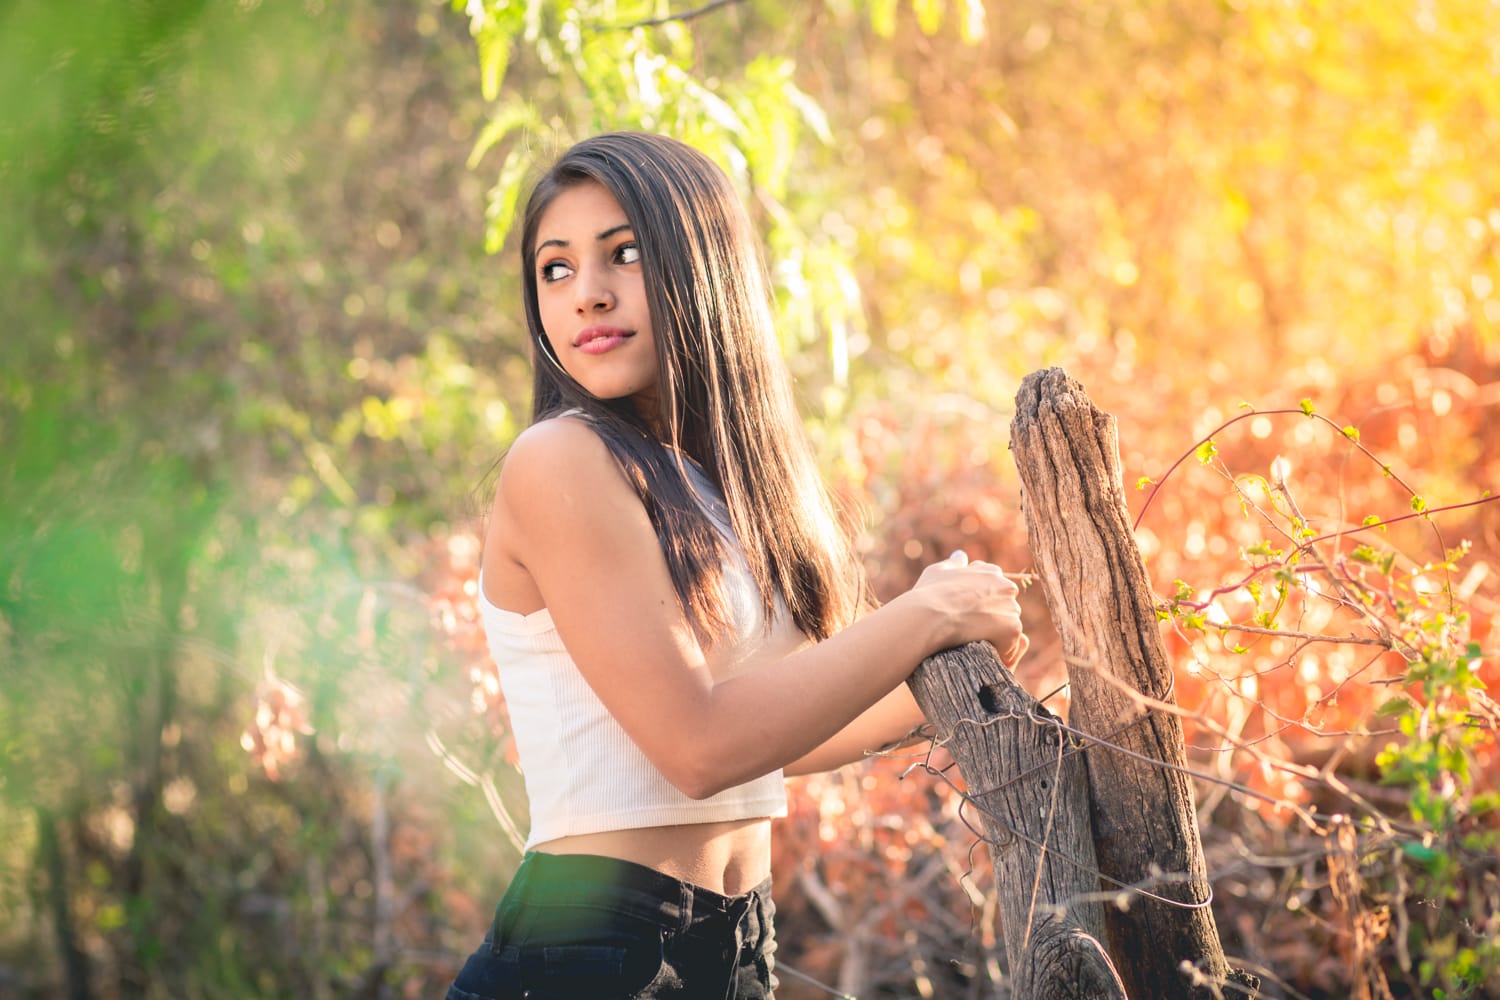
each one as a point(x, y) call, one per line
point(601, 339)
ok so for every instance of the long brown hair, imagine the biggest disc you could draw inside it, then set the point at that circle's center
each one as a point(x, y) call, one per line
point(725, 392)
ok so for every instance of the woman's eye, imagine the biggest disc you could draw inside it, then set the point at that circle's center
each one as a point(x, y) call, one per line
point(628, 253)
point(553, 271)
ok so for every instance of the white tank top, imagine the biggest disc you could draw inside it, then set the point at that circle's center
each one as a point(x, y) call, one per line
point(583, 772)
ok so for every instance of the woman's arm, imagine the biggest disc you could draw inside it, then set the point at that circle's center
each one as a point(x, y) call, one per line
point(889, 721)
point(565, 513)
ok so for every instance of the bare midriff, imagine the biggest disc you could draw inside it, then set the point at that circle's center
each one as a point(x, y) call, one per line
point(730, 858)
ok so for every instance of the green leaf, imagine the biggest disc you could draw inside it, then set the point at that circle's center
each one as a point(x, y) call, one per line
point(1395, 706)
point(533, 25)
point(110, 917)
point(972, 28)
point(929, 15)
point(811, 111)
point(514, 115)
point(1419, 852)
point(719, 111)
point(494, 60)
point(1418, 504)
point(1206, 451)
point(504, 196)
point(1307, 407)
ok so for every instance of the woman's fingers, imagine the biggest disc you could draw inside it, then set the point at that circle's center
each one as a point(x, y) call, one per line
point(979, 601)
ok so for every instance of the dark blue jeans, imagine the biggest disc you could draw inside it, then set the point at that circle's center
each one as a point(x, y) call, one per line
point(580, 927)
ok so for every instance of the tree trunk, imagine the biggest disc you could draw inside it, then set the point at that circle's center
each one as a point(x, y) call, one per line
point(52, 860)
point(1145, 828)
point(151, 705)
point(1031, 798)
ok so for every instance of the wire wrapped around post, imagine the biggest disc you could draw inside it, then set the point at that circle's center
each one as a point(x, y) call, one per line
point(1028, 788)
point(1145, 834)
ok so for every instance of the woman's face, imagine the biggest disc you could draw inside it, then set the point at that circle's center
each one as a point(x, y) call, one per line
point(592, 298)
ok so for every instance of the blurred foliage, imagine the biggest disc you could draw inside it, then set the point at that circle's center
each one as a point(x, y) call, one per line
point(251, 372)
point(256, 366)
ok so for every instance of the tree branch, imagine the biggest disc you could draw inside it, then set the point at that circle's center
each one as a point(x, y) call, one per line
point(657, 22)
point(1309, 636)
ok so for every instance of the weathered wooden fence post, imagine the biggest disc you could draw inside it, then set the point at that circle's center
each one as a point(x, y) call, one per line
point(1145, 829)
point(1030, 796)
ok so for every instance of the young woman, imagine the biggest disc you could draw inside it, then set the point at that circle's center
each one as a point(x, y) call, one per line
point(674, 606)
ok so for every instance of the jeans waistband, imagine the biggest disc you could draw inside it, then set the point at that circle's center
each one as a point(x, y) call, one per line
point(629, 887)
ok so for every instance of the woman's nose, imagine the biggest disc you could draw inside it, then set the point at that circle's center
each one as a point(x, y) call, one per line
point(594, 296)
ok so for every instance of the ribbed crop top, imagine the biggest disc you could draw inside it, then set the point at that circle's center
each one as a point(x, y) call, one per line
point(583, 772)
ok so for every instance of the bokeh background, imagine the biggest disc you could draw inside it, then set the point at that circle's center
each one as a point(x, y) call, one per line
point(261, 348)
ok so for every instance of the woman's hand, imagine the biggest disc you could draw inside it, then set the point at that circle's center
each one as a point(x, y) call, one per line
point(977, 602)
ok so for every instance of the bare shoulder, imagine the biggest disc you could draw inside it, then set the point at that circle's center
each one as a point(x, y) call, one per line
point(561, 498)
point(560, 485)
point(556, 457)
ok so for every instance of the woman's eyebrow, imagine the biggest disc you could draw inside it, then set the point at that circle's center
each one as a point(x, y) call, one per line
point(611, 231)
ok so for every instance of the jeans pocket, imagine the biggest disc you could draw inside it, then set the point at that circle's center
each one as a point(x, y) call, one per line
point(489, 974)
point(618, 966)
